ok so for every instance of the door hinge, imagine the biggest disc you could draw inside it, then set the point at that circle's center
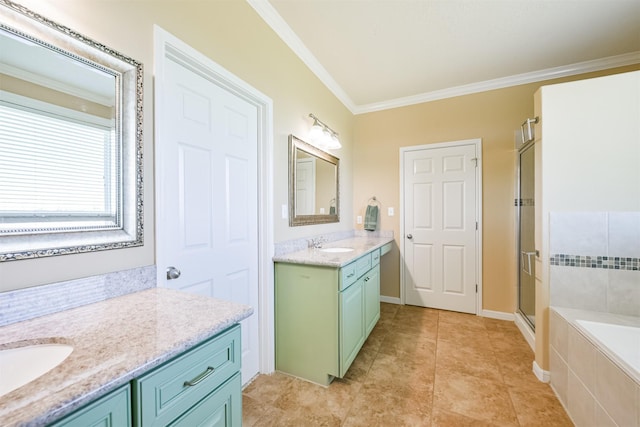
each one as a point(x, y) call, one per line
point(476, 288)
point(475, 161)
point(476, 225)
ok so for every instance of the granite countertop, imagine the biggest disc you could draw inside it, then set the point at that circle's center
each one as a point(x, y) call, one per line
point(313, 256)
point(113, 342)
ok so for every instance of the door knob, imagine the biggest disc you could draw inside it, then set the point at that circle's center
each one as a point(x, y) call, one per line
point(172, 273)
point(409, 236)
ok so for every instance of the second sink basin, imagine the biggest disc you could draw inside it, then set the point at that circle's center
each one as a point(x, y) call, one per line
point(19, 366)
point(335, 250)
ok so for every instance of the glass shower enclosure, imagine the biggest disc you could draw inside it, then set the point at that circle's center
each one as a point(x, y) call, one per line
point(525, 213)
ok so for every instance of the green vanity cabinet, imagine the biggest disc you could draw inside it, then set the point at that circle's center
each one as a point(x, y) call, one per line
point(201, 386)
point(323, 315)
point(112, 410)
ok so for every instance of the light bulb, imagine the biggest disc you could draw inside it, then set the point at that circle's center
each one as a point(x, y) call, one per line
point(316, 132)
point(335, 142)
point(326, 138)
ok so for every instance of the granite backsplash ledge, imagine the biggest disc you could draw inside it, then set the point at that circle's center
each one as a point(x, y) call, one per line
point(29, 303)
point(295, 245)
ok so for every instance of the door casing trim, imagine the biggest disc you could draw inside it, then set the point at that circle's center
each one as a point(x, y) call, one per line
point(477, 143)
point(167, 46)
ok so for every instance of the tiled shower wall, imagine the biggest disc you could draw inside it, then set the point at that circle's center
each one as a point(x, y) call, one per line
point(595, 261)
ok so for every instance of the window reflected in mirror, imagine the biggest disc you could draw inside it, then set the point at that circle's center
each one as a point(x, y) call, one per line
point(70, 141)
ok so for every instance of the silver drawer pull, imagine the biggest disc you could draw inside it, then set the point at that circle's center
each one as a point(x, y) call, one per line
point(197, 380)
point(351, 275)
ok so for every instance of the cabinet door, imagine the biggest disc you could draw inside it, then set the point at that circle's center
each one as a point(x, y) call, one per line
point(112, 410)
point(371, 298)
point(352, 327)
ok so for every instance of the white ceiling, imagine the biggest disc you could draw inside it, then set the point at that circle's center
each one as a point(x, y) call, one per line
point(377, 54)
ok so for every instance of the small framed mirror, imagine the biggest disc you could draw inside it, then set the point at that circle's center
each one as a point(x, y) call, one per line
point(314, 188)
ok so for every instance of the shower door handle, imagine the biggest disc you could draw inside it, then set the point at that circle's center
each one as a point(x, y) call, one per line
point(527, 132)
point(528, 263)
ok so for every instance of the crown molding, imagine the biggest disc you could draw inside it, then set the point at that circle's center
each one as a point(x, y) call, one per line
point(282, 29)
point(504, 82)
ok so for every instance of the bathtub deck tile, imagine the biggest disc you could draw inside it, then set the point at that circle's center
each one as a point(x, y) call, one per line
point(582, 358)
point(616, 392)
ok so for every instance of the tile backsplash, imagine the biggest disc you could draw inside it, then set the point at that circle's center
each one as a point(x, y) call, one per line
point(595, 261)
point(24, 304)
point(300, 244)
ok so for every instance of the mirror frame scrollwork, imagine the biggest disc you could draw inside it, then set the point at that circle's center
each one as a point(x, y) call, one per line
point(295, 145)
point(128, 74)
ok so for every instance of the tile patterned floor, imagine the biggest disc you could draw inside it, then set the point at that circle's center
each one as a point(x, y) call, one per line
point(419, 367)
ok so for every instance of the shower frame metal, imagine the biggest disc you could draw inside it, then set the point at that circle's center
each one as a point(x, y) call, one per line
point(525, 256)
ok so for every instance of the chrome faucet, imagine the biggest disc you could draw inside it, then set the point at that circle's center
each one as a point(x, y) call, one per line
point(316, 242)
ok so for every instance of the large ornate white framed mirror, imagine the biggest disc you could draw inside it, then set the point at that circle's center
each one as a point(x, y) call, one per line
point(70, 141)
point(314, 188)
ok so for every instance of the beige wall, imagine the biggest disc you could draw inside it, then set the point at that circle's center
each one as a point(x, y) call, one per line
point(493, 116)
point(233, 35)
point(41, 93)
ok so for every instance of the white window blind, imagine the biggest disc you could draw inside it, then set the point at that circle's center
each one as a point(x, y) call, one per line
point(59, 170)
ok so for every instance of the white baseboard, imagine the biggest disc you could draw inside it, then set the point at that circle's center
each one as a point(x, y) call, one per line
point(390, 300)
point(526, 331)
point(497, 315)
point(540, 373)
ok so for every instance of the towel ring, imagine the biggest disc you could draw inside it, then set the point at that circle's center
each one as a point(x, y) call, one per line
point(374, 201)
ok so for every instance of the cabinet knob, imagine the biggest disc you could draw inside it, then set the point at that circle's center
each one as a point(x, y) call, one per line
point(172, 273)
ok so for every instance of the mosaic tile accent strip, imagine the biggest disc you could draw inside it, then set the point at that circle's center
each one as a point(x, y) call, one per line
point(25, 304)
point(605, 262)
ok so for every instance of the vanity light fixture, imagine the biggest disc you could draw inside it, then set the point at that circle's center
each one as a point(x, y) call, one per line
point(322, 135)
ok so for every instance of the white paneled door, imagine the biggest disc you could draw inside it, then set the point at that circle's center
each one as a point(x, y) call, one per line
point(208, 195)
point(440, 219)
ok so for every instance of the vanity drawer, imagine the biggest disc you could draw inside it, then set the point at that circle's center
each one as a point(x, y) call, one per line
point(348, 275)
point(165, 393)
point(222, 408)
point(375, 257)
point(363, 264)
point(112, 410)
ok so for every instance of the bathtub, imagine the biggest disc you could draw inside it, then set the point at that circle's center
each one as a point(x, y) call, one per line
point(619, 340)
point(594, 362)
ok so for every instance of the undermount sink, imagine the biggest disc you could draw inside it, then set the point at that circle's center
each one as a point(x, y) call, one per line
point(19, 366)
point(336, 250)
